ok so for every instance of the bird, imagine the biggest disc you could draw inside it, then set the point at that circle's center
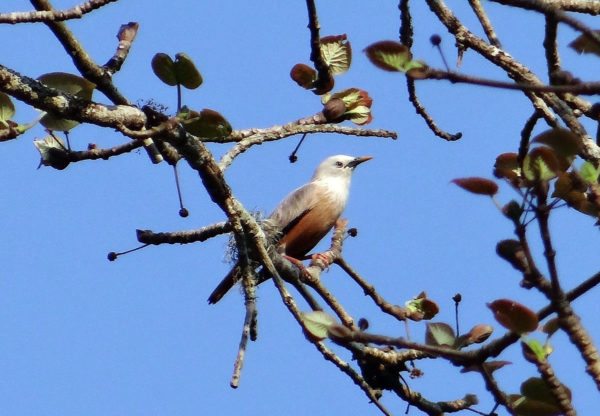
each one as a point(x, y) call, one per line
point(307, 214)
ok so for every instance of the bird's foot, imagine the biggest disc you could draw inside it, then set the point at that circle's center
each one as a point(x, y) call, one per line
point(322, 260)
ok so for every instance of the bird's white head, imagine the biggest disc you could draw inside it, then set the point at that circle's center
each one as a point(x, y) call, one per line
point(338, 166)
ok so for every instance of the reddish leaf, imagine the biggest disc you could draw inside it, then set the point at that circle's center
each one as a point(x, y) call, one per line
point(490, 366)
point(551, 326)
point(514, 316)
point(507, 166)
point(303, 75)
point(480, 186)
point(479, 333)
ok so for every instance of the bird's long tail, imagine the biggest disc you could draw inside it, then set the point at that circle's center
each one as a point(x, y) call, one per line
point(226, 284)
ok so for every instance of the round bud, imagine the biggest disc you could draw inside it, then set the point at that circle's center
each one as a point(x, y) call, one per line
point(435, 39)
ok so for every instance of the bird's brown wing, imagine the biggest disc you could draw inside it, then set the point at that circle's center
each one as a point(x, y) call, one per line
point(295, 205)
point(305, 217)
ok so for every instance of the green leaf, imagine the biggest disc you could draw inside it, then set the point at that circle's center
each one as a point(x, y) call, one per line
point(480, 186)
point(439, 334)
point(337, 53)
point(536, 399)
point(53, 152)
point(525, 406)
point(389, 55)
point(514, 316)
point(207, 123)
point(589, 173)
point(357, 104)
point(536, 388)
point(7, 108)
point(584, 44)
point(541, 164)
point(534, 347)
point(57, 124)
point(422, 305)
point(70, 84)
point(186, 72)
point(164, 68)
point(317, 324)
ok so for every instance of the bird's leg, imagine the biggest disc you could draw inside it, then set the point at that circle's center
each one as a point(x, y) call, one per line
point(304, 274)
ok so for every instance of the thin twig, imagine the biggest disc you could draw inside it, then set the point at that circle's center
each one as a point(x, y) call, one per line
point(420, 110)
point(406, 26)
point(491, 385)
point(583, 88)
point(526, 136)
point(394, 310)
point(549, 7)
point(324, 76)
point(485, 22)
point(551, 47)
point(249, 287)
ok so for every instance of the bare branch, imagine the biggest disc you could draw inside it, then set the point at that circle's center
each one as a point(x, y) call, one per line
point(553, 8)
point(66, 106)
point(83, 62)
point(584, 88)
point(126, 35)
point(542, 101)
point(75, 12)
point(98, 153)
point(253, 137)
point(183, 237)
point(558, 390)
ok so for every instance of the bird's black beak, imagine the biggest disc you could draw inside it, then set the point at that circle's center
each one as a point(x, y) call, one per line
point(357, 161)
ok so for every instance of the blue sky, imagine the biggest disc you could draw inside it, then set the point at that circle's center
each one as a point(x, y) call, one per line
point(82, 335)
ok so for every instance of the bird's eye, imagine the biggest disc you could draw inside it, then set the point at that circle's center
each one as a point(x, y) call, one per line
point(339, 164)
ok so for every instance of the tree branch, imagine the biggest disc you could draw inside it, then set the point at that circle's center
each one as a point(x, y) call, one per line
point(75, 12)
